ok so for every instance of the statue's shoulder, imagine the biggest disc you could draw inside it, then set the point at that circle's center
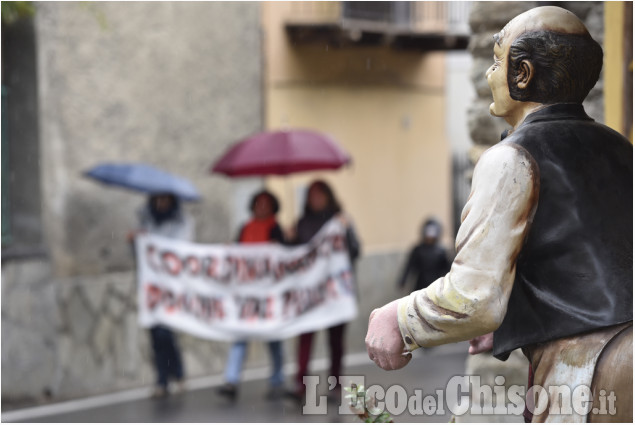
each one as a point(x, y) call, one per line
point(507, 156)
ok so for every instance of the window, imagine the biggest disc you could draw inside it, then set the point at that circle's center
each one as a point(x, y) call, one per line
point(389, 12)
point(21, 204)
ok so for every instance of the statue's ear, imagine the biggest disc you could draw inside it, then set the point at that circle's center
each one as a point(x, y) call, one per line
point(525, 74)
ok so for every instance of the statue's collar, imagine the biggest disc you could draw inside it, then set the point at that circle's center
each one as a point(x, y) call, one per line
point(557, 112)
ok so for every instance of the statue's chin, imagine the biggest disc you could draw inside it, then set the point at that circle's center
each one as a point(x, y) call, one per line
point(492, 110)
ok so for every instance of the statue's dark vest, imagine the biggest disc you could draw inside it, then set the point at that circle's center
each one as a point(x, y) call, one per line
point(575, 271)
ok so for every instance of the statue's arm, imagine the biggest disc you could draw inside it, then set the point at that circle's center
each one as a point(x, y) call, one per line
point(471, 299)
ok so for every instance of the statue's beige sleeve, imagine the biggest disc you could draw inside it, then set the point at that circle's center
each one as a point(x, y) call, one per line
point(471, 300)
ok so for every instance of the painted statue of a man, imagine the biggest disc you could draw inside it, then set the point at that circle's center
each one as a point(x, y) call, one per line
point(544, 252)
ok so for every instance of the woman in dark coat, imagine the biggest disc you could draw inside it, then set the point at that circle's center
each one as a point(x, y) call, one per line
point(320, 207)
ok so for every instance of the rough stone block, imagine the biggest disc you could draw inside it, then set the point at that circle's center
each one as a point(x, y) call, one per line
point(29, 362)
point(124, 284)
point(484, 128)
point(581, 9)
point(477, 74)
point(594, 21)
point(95, 293)
point(28, 295)
point(80, 319)
point(116, 307)
point(488, 16)
point(481, 44)
point(102, 338)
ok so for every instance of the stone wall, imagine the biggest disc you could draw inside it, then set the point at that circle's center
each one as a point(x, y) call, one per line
point(169, 83)
point(79, 336)
point(73, 337)
point(29, 331)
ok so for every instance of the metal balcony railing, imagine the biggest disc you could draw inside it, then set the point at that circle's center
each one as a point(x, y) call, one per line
point(403, 17)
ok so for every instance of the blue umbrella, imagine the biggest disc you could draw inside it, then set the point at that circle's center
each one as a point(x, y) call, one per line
point(143, 178)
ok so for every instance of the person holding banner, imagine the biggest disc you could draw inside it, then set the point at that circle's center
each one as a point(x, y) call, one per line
point(163, 216)
point(263, 227)
point(321, 206)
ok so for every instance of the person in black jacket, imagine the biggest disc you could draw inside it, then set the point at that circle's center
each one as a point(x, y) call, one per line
point(163, 216)
point(428, 260)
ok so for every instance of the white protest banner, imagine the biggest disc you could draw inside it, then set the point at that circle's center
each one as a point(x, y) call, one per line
point(249, 291)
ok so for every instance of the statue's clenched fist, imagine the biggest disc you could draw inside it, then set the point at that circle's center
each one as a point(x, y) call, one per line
point(383, 340)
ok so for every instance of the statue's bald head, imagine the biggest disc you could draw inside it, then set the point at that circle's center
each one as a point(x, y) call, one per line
point(567, 61)
point(544, 18)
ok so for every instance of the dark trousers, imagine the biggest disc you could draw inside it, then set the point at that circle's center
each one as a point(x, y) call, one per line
point(336, 343)
point(167, 357)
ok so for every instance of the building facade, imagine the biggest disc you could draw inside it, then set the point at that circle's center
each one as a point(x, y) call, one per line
point(174, 84)
point(170, 84)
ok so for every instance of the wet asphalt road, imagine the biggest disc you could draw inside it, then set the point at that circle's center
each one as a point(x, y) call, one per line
point(429, 370)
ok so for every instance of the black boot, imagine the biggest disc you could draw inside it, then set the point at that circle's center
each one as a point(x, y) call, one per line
point(228, 390)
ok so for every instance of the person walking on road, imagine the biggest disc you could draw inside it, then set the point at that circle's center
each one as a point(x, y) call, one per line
point(320, 207)
point(263, 227)
point(163, 216)
point(428, 260)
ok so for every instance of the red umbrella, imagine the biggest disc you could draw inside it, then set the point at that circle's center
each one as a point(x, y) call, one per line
point(281, 153)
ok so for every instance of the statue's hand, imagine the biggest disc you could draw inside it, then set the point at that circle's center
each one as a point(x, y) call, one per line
point(383, 340)
point(482, 343)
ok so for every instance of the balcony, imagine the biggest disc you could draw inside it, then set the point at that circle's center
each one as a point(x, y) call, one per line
point(420, 25)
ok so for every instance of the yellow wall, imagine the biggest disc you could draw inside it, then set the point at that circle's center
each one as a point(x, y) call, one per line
point(617, 68)
point(613, 64)
point(386, 108)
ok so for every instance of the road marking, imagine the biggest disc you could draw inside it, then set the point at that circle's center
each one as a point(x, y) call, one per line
point(193, 384)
